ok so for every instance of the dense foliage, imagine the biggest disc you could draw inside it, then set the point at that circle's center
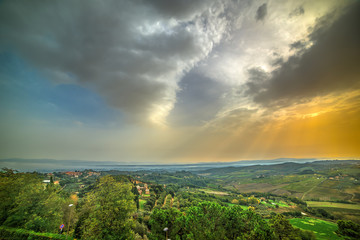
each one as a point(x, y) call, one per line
point(29, 204)
point(348, 229)
point(104, 213)
point(107, 211)
point(104, 206)
point(209, 220)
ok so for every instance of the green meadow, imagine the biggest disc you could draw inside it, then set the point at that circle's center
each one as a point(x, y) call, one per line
point(323, 230)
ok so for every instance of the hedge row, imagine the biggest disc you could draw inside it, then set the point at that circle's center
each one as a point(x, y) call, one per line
point(15, 233)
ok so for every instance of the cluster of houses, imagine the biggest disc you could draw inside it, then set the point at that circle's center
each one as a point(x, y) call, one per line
point(78, 174)
point(73, 174)
point(48, 181)
point(50, 175)
point(338, 177)
point(142, 189)
point(93, 174)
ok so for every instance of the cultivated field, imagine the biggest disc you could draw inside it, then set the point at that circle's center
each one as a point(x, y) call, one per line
point(332, 205)
point(323, 230)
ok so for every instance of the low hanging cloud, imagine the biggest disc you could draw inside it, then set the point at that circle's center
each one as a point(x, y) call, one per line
point(331, 64)
point(132, 53)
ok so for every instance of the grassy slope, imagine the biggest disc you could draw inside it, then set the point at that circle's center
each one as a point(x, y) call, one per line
point(323, 230)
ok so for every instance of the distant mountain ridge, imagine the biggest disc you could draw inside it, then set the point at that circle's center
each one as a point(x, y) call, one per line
point(48, 165)
point(285, 167)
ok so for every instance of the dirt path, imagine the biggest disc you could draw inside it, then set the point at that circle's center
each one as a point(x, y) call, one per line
point(171, 202)
point(164, 201)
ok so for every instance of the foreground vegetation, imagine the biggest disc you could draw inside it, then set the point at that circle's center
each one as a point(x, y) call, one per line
point(141, 205)
point(14, 233)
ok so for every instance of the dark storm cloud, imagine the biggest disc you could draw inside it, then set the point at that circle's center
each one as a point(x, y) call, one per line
point(297, 12)
point(330, 64)
point(130, 52)
point(257, 77)
point(199, 99)
point(179, 8)
point(261, 12)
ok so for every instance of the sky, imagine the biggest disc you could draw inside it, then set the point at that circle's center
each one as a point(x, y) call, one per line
point(179, 81)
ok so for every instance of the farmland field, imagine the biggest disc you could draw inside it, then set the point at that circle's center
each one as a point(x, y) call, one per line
point(214, 192)
point(333, 205)
point(339, 210)
point(323, 230)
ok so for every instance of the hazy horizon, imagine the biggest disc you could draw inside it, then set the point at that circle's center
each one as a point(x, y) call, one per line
point(186, 82)
point(52, 165)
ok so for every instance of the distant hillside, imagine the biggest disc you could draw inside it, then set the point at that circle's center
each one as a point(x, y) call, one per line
point(331, 180)
point(283, 168)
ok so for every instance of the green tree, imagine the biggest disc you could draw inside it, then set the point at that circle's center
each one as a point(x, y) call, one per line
point(157, 189)
point(37, 208)
point(136, 196)
point(205, 221)
point(107, 210)
point(11, 184)
point(348, 229)
point(246, 225)
point(283, 229)
point(306, 234)
point(166, 218)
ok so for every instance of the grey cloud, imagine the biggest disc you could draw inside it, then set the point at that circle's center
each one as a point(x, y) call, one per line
point(330, 64)
point(133, 53)
point(277, 62)
point(261, 12)
point(199, 99)
point(257, 77)
point(298, 45)
point(180, 44)
point(179, 8)
point(297, 12)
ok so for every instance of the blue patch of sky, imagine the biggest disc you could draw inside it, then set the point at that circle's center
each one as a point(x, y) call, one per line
point(24, 91)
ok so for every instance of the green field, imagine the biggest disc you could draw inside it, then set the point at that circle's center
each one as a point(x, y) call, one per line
point(332, 205)
point(141, 203)
point(323, 230)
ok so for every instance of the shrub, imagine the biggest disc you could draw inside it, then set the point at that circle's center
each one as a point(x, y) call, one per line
point(15, 233)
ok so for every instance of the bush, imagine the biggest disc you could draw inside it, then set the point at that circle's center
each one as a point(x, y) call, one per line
point(14, 233)
point(293, 214)
point(323, 213)
point(306, 235)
